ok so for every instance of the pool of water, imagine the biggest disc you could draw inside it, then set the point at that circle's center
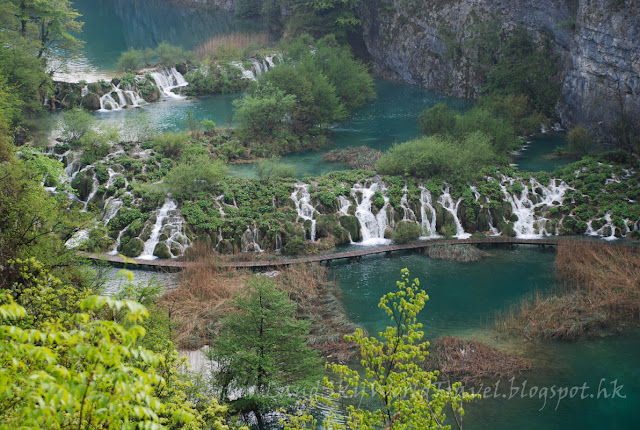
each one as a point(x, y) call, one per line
point(463, 297)
point(539, 153)
point(113, 26)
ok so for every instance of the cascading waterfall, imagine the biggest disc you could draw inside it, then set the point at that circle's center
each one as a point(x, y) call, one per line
point(372, 226)
point(447, 203)
point(494, 231)
point(250, 240)
point(302, 199)
point(168, 80)
point(409, 214)
point(345, 204)
point(428, 226)
point(161, 216)
point(533, 197)
point(257, 67)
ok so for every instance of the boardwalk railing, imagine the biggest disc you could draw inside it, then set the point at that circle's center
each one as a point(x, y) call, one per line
point(174, 266)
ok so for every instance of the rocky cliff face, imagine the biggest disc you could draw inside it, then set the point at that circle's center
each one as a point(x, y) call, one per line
point(422, 43)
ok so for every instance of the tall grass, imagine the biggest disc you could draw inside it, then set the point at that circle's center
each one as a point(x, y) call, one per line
point(471, 361)
point(205, 294)
point(232, 46)
point(598, 290)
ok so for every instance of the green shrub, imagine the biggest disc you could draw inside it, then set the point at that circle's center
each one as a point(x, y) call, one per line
point(131, 60)
point(194, 175)
point(406, 231)
point(579, 141)
point(273, 168)
point(440, 156)
point(438, 119)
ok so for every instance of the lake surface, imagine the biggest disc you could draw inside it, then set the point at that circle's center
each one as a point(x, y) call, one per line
point(463, 298)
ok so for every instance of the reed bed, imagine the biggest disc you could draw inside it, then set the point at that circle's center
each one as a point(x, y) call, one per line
point(598, 291)
point(233, 42)
point(462, 253)
point(471, 361)
point(204, 296)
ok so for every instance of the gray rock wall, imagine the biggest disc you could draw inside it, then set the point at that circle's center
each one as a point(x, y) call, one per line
point(406, 39)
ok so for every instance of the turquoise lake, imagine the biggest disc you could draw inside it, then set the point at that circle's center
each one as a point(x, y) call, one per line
point(463, 296)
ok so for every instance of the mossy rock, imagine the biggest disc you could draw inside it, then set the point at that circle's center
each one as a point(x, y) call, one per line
point(635, 234)
point(352, 225)
point(225, 247)
point(483, 220)
point(506, 229)
point(175, 250)
point(406, 231)
point(162, 251)
point(91, 102)
point(133, 248)
point(326, 225)
point(449, 227)
point(83, 184)
point(388, 232)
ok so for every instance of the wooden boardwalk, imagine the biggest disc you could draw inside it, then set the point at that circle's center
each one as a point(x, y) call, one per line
point(175, 265)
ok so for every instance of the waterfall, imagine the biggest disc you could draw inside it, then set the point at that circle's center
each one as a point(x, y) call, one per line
point(85, 91)
point(302, 199)
point(116, 245)
point(534, 196)
point(168, 80)
point(250, 240)
point(372, 226)
point(94, 190)
point(345, 204)
point(77, 239)
point(161, 215)
point(257, 67)
point(409, 214)
point(428, 227)
point(447, 203)
point(111, 208)
point(126, 98)
point(494, 231)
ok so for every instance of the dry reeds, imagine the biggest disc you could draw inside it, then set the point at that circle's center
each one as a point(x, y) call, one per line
point(599, 289)
point(206, 292)
point(471, 361)
point(232, 42)
point(462, 253)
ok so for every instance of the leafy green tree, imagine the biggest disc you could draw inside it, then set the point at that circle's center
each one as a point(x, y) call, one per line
point(76, 123)
point(48, 25)
point(503, 138)
point(409, 396)
point(170, 55)
point(317, 104)
point(261, 349)
point(321, 17)
point(195, 175)
point(579, 140)
point(437, 119)
point(264, 110)
point(272, 168)
point(89, 376)
point(131, 60)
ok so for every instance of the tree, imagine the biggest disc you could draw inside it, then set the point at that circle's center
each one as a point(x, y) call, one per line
point(131, 60)
point(409, 396)
point(261, 349)
point(579, 140)
point(91, 375)
point(264, 110)
point(49, 25)
point(437, 119)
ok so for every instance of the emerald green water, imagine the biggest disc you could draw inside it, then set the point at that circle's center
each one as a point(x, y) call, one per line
point(391, 118)
point(113, 26)
point(539, 154)
point(463, 297)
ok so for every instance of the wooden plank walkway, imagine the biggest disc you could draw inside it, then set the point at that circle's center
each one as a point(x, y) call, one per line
point(175, 266)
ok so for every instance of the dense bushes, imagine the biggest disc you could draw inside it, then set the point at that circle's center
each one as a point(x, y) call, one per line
point(317, 85)
point(440, 156)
